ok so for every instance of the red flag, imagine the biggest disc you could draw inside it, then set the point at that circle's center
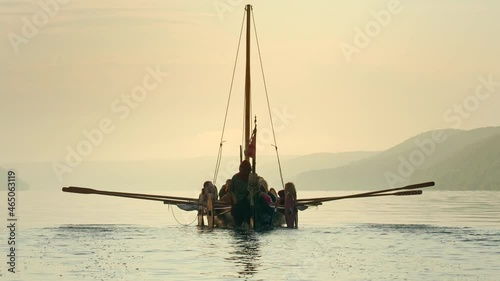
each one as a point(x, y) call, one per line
point(251, 146)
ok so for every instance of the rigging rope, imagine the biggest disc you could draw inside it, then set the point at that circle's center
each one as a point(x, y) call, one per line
point(219, 155)
point(268, 104)
point(183, 224)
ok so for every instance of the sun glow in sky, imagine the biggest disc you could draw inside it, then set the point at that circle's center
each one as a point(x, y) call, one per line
point(67, 68)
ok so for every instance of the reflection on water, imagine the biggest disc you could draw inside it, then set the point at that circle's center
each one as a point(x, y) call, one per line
point(348, 252)
point(246, 252)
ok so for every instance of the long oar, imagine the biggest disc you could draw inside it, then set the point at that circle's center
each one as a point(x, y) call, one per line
point(361, 195)
point(84, 190)
point(166, 199)
point(407, 187)
point(121, 194)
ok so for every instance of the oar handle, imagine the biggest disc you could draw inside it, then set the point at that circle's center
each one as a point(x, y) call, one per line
point(82, 190)
point(401, 193)
point(419, 185)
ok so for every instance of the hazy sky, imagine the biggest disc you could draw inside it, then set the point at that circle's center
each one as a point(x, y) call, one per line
point(65, 69)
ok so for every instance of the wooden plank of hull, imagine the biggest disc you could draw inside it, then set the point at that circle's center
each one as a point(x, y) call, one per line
point(210, 211)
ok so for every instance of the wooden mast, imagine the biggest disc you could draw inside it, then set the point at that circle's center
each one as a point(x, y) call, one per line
point(247, 128)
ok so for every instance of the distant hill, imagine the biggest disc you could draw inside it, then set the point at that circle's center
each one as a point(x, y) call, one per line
point(301, 164)
point(476, 167)
point(463, 160)
point(293, 166)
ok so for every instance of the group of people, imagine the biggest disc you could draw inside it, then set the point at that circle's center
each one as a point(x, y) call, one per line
point(236, 192)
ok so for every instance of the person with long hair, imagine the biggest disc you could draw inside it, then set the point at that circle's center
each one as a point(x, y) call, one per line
point(239, 191)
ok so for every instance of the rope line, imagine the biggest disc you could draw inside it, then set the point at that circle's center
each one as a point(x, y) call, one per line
point(183, 224)
point(268, 103)
point(219, 155)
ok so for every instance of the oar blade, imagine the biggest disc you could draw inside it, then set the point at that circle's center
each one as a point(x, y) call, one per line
point(411, 192)
point(186, 207)
point(302, 207)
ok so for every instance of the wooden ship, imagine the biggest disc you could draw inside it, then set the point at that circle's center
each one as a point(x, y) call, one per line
point(251, 211)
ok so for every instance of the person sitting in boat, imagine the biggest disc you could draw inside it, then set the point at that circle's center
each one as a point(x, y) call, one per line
point(265, 192)
point(290, 189)
point(263, 205)
point(224, 189)
point(238, 189)
point(239, 182)
point(209, 188)
point(273, 194)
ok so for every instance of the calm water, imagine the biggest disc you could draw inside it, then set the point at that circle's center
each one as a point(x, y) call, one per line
point(435, 236)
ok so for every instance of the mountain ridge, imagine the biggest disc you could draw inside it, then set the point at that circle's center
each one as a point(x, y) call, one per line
point(399, 165)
